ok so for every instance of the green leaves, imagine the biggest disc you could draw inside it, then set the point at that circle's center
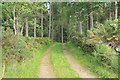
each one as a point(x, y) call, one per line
point(106, 56)
point(104, 32)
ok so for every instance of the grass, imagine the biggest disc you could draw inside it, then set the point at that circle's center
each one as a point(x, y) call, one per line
point(89, 62)
point(60, 64)
point(29, 68)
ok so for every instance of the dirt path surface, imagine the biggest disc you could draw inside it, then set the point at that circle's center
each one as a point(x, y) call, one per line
point(77, 67)
point(45, 67)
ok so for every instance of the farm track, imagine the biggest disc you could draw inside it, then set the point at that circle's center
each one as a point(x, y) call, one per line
point(46, 70)
point(77, 67)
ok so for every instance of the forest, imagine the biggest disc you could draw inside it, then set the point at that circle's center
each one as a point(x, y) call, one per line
point(60, 40)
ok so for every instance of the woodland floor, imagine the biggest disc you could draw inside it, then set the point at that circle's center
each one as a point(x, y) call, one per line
point(46, 70)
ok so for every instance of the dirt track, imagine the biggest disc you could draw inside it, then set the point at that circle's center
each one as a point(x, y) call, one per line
point(46, 70)
point(77, 67)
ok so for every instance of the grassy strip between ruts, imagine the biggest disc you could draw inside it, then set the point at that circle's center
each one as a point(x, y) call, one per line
point(89, 62)
point(29, 68)
point(60, 65)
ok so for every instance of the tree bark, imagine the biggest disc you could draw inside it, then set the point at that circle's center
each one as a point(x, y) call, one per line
point(59, 33)
point(116, 9)
point(113, 15)
point(104, 13)
point(42, 23)
point(22, 28)
point(68, 31)
point(17, 25)
point(52, 28)
point(14, 21)
point(110, 13)
point(50, 22)
point(80, 27)
point(35, 27)
point(62, 33)
point(87, 26)
point(91, 20)
point(27, 27)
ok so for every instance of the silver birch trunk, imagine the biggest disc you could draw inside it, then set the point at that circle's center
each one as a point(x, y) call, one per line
point(14, 21)
point(17, 25)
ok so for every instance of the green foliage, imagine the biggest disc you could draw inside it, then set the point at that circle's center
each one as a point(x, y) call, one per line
point(18, 47)
point(104, 32)
point(44, 41)
point(80, 40)
point(107, 56)
point(14, 46)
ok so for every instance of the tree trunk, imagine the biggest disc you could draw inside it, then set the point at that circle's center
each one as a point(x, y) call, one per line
point(116, 9)
point(87, 27)
point(62, 33)
point(80, 27)
point(50, 22)
point(35, 27)
point(110, 13)
point(68, 33)
point(27, 27)
point(17, 25)
point(42, 23)
point(14, 21)
point(113, 15)
point(104, 13)
point(59, 33)
point(91, 20)
point(52, 29)
point(22, 28)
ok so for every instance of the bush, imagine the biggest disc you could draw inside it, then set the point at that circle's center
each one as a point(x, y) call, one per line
point(13, 46)
point(104, 32)
point(80, 40)
point(106, 56)
point(43, 41)
point(18, 47)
